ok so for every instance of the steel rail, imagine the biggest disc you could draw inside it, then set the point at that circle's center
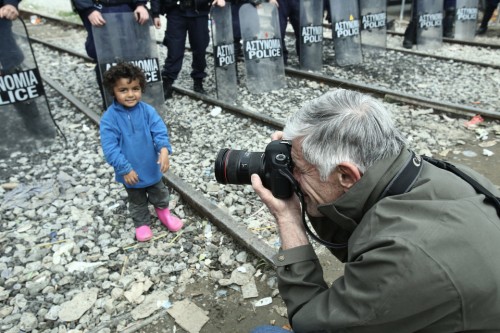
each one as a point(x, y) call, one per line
point(428, 55)
point(456, 41)
point(394, 95)
point(445, 39)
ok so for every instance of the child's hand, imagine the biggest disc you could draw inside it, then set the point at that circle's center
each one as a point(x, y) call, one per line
point(131, 178)
point(163, 160)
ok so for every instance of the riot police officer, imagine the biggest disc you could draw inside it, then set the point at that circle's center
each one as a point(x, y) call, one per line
point(90, 12)
point(235, 15)
point(488, 13)
point(184, 17)
point(289, 10)
point(11, 62)
point(410, 35)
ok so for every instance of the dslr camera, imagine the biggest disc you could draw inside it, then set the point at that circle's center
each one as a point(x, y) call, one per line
point(272, 166)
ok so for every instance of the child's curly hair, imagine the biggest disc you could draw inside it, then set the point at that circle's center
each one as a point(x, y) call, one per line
point(123, 70)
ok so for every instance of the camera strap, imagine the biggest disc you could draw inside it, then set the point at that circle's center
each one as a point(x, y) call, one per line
point(405, 178)
point(490, 197)
point(296, 188)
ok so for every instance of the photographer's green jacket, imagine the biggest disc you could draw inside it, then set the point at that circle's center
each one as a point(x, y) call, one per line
point(424, 261)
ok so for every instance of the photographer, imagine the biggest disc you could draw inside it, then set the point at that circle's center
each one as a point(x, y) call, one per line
point(419, 243)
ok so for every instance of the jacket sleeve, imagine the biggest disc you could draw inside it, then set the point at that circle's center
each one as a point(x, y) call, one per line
point(155, 8)
point(110, 142)
point(159, 131)
point(388, 275)
point(14, 3)
point(85, 7)
point(140, 3)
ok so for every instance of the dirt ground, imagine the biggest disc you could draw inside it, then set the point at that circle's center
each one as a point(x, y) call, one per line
point(232, 313)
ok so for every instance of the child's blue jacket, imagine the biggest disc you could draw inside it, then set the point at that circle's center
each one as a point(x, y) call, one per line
point(131, 139)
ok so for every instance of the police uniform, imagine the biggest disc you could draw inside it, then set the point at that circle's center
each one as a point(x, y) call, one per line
point(14, 56)
point(410, 36)
point(85, 7)
point(235, 15)
point(491, 5)
point(184, 17)
point(11, 61)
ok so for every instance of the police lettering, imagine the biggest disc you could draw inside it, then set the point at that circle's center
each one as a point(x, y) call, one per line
point(467, 14)
point(149, 66)
point(224, 55)
point(312, 34)
point(19, 87)
point(430, 20)
point(374, 21)
point(347, 28)
point(262, 48)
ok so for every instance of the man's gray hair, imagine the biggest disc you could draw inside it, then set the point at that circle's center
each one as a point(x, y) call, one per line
point(344, 126)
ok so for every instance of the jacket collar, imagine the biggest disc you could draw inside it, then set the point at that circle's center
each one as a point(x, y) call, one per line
point(118, 107)
point(348, 210)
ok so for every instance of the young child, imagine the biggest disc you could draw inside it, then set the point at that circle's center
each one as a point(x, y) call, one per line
point(135, 142)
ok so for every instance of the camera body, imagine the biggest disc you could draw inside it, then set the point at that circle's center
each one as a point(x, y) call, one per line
point(236, 167)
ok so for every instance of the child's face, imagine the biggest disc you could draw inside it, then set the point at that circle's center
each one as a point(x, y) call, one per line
point(127, 93)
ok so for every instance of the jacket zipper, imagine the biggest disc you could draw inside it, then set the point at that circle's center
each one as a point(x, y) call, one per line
point(131, 123)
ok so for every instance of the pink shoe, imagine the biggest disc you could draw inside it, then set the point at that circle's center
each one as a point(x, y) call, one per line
point(143, 233)
point(171, 222)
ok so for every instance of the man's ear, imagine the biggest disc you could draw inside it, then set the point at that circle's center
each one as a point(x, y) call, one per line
point(348, 174)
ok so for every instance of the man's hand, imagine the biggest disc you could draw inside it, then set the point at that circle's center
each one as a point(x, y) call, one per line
point(141, 14)
point(157, 22)
point(274, 2)
point(9, 12)
point(131, 178)
point(287, 214)
point(220, 3)
point(96, 19)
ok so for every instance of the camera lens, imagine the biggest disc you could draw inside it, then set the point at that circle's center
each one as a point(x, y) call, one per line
point(236, 166)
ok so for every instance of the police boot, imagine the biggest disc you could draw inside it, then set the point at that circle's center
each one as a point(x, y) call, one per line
point(167, 87)
point(238, 50)
point(198, 86)
point(410, 36)
point(482, 30)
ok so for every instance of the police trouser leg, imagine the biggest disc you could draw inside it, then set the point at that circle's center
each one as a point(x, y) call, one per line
point(283, 18)
point(175, 41)
point(198, 39)
point(11, 55)
point(294, 17)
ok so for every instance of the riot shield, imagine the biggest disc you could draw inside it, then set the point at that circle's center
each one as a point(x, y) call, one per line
point(373, 24)
point(429, 24)
point(262, 48)
point(224, 55)
point(346, 34)
point(123, 39)
point(26, 123)
point(311, 35)
point(466, 19)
